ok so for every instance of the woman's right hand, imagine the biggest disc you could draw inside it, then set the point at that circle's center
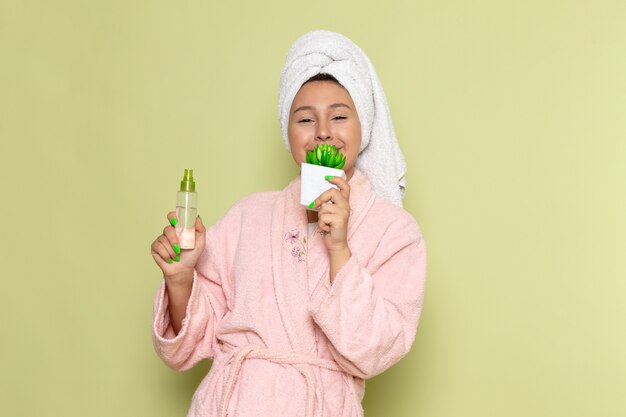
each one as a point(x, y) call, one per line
point(162, 249)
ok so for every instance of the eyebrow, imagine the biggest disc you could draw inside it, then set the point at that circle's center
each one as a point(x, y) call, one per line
point(311, 107)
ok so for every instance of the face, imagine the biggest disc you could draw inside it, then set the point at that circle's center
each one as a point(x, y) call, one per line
point(323, 112)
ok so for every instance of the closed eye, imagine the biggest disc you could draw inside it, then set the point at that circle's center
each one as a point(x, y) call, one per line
point(340, 117)
point(305, 121)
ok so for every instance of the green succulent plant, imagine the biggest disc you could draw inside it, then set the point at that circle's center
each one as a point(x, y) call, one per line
point(326, 156)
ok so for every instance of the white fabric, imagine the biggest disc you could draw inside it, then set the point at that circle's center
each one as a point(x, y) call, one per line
point(323, 51)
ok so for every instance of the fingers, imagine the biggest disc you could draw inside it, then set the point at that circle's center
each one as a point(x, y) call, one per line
point(162, 250)
point(324, 221)
point(172, 215)
point(329, 211)
point(336, 195)
point(166, 248)
point(158, 259)
point(199, 225)
point(169, 239)
point(200, 232)
point(327, 196)
point(342, 184)
point(170, 233)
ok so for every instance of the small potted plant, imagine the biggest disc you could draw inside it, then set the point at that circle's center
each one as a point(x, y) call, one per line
point(323, 160)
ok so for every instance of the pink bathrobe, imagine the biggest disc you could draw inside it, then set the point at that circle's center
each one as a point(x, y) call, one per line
point(284, 341)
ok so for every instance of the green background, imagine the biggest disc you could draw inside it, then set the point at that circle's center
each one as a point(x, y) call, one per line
point(510, 115)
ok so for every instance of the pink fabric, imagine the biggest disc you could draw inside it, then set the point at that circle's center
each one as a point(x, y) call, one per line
point(283, 340)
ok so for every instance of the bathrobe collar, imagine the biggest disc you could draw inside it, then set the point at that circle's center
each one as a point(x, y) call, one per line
point(299, 263)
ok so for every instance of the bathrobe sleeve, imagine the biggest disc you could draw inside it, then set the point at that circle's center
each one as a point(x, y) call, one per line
point(208, 303)
point(370, 315)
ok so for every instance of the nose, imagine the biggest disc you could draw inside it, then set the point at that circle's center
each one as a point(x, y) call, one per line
point(322, 132)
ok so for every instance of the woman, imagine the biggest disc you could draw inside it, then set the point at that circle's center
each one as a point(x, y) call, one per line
point(294, 325)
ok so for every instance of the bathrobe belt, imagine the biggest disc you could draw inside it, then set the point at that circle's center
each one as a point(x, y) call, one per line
point(301, 363)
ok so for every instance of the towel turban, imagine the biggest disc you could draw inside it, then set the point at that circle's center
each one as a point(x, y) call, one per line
point(323, 51)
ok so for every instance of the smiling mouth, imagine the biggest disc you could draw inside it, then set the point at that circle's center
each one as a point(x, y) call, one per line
point(312, 149)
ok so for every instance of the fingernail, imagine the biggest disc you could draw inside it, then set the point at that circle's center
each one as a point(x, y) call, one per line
point(329, 177)
point(177, 258)
point(173, 221)
point(176, 248)
point(312, 204)
point(200, 218)
point(169, 261)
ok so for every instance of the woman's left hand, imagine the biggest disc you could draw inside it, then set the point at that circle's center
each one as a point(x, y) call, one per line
point(333, 218)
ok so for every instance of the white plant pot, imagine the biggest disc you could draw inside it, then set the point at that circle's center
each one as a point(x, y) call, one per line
point(313, 182)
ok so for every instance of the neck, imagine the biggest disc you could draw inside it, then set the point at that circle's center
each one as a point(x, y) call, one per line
point(349, 174)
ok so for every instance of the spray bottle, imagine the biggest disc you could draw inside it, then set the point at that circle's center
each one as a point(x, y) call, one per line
point(186, 211)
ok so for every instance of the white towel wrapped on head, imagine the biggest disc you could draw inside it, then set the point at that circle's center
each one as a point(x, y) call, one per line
point(323, 51)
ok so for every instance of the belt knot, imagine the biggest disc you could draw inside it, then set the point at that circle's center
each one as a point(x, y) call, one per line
point(302, 363)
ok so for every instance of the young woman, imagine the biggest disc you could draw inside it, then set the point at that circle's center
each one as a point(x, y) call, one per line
point(297, 306)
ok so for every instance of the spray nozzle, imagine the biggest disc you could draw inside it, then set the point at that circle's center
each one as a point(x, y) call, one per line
point(188, 184)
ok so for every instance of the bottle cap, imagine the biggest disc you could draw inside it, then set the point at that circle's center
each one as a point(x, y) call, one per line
point(188, 184)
